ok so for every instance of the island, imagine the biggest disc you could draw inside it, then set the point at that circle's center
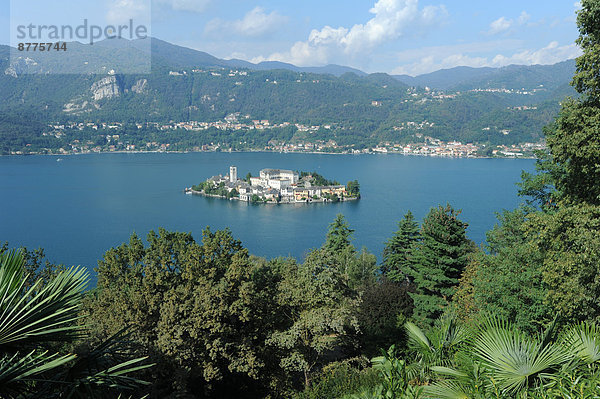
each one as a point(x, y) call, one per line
point(277, 186)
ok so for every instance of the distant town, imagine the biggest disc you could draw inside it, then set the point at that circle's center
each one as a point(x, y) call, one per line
point(276, 186)
point(423, 144)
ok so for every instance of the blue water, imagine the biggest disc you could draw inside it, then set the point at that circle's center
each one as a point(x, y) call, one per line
point(79, 207)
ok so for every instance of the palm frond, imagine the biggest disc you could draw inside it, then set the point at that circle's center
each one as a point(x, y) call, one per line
point(513, 358)
point(46, 313)
point(447, 389)
point(417, 338)
point(17, 369)
point(103, 370)
point(583, 341)
point(11, 273)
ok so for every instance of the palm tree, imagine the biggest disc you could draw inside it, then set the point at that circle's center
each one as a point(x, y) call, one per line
point(501, 361)
point(33, 320)
point(434, 348)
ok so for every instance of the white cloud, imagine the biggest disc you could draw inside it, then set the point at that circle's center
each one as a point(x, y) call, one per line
point(524, 18)
point(392, 19)
point(255, 23)
point(500, 25)
point(550, 54)
point(503, 24)
point(185, 5)
point(121, 11)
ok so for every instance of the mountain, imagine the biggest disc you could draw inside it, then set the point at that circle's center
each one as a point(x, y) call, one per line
point(188, 85)
point(445, 78)
point(177, 56)
point(138, 55)
point(331, 69)
point(509, 77)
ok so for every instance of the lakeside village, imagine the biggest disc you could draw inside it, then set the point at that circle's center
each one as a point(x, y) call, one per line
point(276, 186)
point(118, 142)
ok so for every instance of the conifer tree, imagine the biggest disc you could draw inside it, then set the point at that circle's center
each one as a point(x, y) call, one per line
point(438, 262)
point(397, 249)
point(339, 236)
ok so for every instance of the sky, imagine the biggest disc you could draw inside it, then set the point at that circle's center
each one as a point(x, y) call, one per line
point(393, 36)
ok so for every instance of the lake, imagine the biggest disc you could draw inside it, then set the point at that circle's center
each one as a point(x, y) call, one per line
point(81, 206)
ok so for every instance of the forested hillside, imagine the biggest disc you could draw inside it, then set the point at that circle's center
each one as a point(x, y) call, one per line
point(505, 106)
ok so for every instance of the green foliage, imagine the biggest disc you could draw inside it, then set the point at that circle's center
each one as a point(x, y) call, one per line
point(573, 140)
point(320, 309)
point(539, 188)
point(339, 235)
point(385, 307)
point(507, 280)
point(568, 239)
point(202, 312)
point(396, 379)
point(587, 77)
point(33, 320)
point(516, 360)
point(353, 188)
point(357, 268)
point(575, 147)
point(501, 361)
point(316, 179)
point(438, 261)
point(434, 348)
point(337, 379)
point(398, 249)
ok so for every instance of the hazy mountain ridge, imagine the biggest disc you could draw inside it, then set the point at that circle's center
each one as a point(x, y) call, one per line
point(509, 77)
point(188, 85)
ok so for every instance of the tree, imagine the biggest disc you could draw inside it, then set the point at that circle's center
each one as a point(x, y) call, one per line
point(320, 310)
point(201, 311)
point(353, 188)
point(507, 280)
point(357, 269)
point(396, 254)
point(385, 307)
point(36, 266)
point(248, 176)
point(565, 233)
point(569, 241)
point(501, 361)
point(539, 189)
point(231, 194)
point(574, 140)
point(339, 235)
point(438, 262)
point(435, 347)
point(361, 268)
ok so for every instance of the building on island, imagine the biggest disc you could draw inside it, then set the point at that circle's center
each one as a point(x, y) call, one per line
point(279, 174)
point(255, 181)
point(275, 185)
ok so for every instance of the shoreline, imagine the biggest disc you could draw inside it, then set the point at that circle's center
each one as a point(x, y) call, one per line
point(258, 151)
point(189, 191)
